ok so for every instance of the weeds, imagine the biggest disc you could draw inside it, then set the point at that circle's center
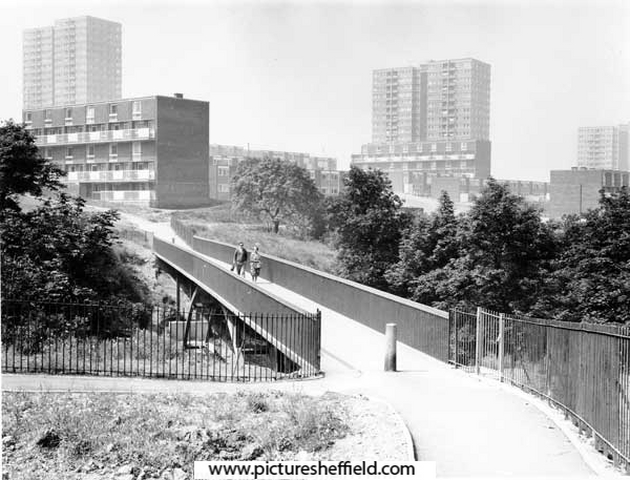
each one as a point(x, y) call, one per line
point(68, 434)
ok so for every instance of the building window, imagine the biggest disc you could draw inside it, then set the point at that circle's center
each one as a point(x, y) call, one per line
point(68, 114)
point(224, 171)
point(113, 149)
point(28, 117)
point(137, 108)
point(69, 153)
point(47, 154)
point(434, 147)
point(464, 146)
point(89, 114)
point(224, 187)
point(48, 116)
point(113, 112)
point(90, 151)
point(449, 147)
point(136, 149)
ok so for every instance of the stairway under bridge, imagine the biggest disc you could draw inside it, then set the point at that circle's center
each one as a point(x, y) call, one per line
point(214, 302)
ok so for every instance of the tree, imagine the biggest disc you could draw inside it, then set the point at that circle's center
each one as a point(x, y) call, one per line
point(55, 250)
point(591, 277)
point(509, 247)
point(22, 169)
point(368, 222)
point(428, 244)
point(277, 190)
point(499, 253)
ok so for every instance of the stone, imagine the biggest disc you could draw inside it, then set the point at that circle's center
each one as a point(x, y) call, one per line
point(303, 456)
point(179, 474)
point(187, 433)
point(251, 451)
point(8, 441)
point(127, 476)
point(92, 476)
point(125, 470)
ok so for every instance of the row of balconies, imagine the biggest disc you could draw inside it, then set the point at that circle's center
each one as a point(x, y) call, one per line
point(418, 158)
point(96, 137)
point(124, 195)
point(111, 176)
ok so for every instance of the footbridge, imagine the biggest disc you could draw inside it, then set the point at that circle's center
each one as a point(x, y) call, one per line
point(291, 330)
point(471, 427)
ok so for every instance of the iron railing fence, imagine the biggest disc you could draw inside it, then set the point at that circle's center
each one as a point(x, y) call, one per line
point(584, 369)
point(202, 343)
point(141, 237)
point(462, 339)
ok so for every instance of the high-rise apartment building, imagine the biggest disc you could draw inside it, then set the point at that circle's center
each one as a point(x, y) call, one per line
point(399, 105)
point(604, 147)
point(458, 100)
point(78, 60)
point(430, 125)
point(439, 100)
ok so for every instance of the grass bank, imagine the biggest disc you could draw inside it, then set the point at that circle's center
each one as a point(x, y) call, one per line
point(221, 224)
point(77, 436)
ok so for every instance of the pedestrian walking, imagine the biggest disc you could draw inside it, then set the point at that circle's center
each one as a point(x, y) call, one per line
point(255, 264)
point(240, 259)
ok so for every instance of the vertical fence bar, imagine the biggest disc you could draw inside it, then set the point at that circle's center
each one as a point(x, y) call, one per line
point(478, 339)
point(501, 344)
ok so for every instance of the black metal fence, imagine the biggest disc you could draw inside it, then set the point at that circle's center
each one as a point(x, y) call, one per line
point(202, 343)
point(582, 368)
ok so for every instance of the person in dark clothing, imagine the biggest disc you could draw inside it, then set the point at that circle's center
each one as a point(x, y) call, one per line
point(240, 259)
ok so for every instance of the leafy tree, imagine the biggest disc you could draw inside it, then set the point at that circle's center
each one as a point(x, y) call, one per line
point(504, 251)
point(428, 244)
point(22, 169)
point(277, 190)
point(591, 278)
point(368, 221)
point(57, 251)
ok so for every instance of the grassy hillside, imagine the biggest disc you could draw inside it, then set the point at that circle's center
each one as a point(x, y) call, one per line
point(219, 223)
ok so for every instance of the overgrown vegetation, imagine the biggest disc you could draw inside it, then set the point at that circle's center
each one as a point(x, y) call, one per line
point(72, 435)
point(55, 250)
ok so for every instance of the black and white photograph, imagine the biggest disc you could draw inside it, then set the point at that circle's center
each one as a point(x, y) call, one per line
point(316, 239)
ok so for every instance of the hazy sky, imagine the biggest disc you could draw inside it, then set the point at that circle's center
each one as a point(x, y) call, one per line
point(297, 75)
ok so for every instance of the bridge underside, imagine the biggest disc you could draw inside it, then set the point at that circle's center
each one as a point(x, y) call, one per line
point(204, 315)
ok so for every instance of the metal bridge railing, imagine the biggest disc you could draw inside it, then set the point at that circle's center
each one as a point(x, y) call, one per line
point(584, 369)
point(96, 339)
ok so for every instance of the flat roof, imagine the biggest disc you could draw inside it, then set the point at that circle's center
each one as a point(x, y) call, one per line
point(117, 100)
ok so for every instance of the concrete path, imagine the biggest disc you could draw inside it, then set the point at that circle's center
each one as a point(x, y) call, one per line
point(470, 427)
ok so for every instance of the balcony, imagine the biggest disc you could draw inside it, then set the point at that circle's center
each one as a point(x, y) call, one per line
point(125, 195)
point(111, 176)
point(103, 136)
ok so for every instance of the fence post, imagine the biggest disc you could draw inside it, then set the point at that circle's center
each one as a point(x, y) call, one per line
point(478, 338)
point(390, 347)
point(456, 339)
point(501, 344)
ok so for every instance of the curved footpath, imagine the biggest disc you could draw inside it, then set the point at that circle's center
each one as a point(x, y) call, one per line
point(470, 427)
